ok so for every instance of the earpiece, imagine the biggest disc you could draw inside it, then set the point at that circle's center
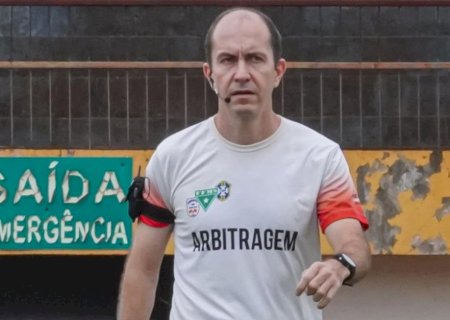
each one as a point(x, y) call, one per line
point(211, 83)
point(213, 86)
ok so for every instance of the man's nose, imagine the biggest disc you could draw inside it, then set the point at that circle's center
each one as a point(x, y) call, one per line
point(242, 72)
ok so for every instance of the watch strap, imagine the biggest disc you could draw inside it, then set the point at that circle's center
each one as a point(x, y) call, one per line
point(349, 265)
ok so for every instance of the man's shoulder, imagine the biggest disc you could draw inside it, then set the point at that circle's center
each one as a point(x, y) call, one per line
point(307, 135)
point(184, 138)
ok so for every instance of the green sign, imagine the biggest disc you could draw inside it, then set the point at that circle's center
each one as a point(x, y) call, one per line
point(64, 203)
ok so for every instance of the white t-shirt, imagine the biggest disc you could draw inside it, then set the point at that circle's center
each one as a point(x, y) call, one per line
point(247, 218)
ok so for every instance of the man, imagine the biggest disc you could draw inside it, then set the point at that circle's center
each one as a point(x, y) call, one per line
point(244, 193)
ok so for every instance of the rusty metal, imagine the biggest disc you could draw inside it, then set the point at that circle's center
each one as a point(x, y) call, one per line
point(100, 64)
point(423, 65)
point(420, 65)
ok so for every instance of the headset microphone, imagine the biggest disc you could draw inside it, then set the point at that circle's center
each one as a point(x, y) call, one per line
point(226, 99)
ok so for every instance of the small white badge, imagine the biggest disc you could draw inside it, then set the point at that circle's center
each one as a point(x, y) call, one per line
point(192, 207)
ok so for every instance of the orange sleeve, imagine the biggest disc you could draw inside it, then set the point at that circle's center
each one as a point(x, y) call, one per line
point(338, 198)
point(340, 205)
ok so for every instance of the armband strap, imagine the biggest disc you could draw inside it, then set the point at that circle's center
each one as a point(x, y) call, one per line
point(156, 213)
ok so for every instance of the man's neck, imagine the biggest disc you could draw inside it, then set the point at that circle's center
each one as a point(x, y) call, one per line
point(247, 130)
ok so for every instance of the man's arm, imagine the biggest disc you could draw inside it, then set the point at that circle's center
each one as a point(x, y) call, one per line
point(346, 236)
point(323, 279)
point(141, 272)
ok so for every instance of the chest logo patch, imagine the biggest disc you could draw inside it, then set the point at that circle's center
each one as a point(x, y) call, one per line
point(192, 207)
point(223, 190)
point(205, 197)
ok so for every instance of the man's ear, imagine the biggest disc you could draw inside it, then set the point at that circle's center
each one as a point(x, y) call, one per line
point(207, 71)
point(280, 69)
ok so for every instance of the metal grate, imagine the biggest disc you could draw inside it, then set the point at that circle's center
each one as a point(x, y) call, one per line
point(137, 107)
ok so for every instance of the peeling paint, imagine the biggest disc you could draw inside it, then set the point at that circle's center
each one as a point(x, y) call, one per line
point(435, 245)
point(402, 176)
point(444, 210)
point(362, 186)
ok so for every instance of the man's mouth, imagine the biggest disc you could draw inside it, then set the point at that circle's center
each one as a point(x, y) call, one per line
point(241, 92)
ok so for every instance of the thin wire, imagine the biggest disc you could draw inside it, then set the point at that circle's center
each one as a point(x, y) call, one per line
point(340, 109)
point(128, 104)
point(30, 93)
point(50, 107)
point(89, 109)
point(11, 105)
point(109, 106)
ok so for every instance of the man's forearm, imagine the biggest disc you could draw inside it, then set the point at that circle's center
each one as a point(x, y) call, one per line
point(359, 251)
point(141, 272)
point(346, 236)
point(137, 296)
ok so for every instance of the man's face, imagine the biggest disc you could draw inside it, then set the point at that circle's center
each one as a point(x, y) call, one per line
point(242, 65)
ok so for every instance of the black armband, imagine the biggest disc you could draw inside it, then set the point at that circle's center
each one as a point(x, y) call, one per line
point(137, 205)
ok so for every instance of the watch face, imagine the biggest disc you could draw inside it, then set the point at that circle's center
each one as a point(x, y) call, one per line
point(349, 260)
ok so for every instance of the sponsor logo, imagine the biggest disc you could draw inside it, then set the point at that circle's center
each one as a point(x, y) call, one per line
point(203, 198)
point(206, 197)
point(192, 207)
point(223, 190)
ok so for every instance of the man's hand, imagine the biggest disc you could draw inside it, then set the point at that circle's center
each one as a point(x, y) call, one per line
point(322, 280)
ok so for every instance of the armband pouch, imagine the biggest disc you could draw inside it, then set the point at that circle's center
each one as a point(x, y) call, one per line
point(137, 205)
point(135, 197)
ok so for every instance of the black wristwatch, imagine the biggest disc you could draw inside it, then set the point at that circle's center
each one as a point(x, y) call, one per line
point(349, 264)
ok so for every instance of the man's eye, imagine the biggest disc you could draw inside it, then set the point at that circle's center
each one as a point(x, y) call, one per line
point(226, 60)
point(256, 58)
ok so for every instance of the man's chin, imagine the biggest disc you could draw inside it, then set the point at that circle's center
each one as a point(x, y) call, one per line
point(244, 110)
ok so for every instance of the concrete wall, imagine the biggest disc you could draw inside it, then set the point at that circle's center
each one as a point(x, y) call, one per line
point(176, 33)
point(398, 288)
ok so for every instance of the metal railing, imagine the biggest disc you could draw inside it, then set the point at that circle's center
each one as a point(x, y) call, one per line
point(104, 104)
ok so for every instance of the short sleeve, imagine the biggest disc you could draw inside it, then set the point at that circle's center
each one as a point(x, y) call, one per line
point(337, 197)
point(157, 191)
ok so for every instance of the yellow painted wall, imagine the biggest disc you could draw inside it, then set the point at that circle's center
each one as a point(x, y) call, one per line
point(417, 183)
point(422, 224)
